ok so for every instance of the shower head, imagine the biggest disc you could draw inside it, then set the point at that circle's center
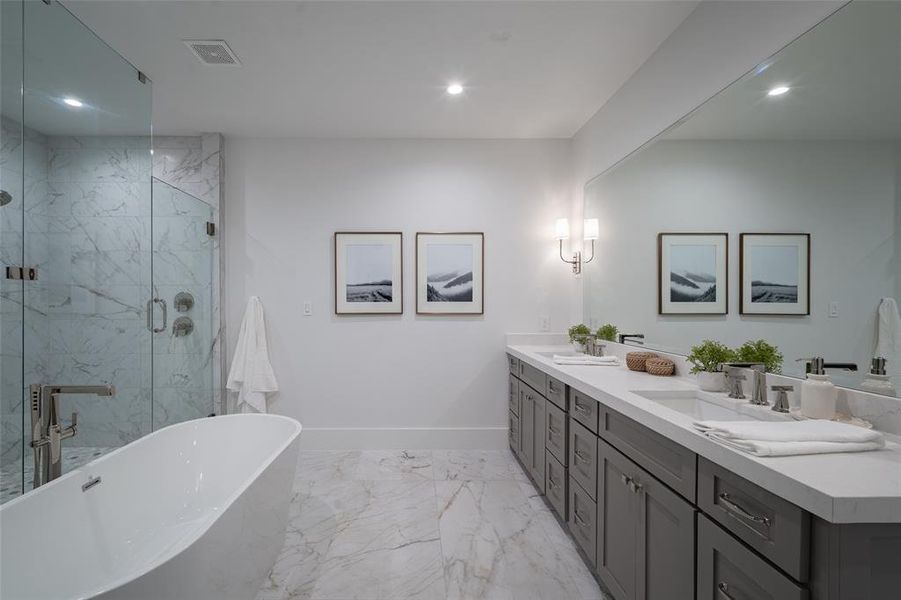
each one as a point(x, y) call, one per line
point(5, 198)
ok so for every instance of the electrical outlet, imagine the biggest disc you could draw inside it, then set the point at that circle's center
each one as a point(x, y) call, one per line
point(307, 309)
point(545, 323)
point(833, 309)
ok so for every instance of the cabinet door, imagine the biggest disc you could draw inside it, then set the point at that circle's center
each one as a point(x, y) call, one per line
point(618, 523)
point(538, 426)
point(667, 542)
point(556, 432)
point(526, 426)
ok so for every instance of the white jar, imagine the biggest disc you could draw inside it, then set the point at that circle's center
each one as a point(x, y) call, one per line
point(711, 381)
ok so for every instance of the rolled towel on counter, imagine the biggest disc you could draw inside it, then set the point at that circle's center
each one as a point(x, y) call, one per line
point(812, 430)
point(585, 360)
point(769, 448)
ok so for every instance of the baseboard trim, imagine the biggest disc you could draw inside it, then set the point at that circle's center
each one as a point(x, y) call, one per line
point(410, 438)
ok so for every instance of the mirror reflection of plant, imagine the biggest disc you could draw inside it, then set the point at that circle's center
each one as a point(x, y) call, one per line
point(760, 351)
point(607, 332)
point(579, 333)
point(708, 355)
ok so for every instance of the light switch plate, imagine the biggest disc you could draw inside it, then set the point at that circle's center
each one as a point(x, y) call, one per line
point(307, 309)
point(833, 309)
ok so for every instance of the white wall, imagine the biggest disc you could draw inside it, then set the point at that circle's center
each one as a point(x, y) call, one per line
point(714, 46)
point(404, 380)
point(843, 193)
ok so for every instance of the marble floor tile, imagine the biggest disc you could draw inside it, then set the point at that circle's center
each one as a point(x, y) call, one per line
point(423, 525)
point(476, 465)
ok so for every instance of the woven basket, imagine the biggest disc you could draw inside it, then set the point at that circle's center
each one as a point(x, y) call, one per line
point(660, 366)
point(636, 360)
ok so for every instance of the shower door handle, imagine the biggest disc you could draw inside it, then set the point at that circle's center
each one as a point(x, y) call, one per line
point(150, 326)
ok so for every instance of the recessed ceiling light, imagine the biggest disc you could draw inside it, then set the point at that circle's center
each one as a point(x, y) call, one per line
point(455, 89)
point(74, 102)
point(778, 90)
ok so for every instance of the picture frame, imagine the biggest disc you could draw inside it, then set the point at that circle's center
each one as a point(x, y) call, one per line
point(775, 274)
point(692, 273)
point(369, 273)
point(450, 273)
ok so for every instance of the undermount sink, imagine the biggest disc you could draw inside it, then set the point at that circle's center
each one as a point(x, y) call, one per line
point(566, 354)
point(706, 406)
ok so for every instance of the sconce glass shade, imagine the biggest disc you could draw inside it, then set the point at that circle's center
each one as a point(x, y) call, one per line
point(591, 229)
point(561, 229)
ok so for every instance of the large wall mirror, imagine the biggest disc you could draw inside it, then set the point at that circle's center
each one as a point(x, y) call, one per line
point(799, 165)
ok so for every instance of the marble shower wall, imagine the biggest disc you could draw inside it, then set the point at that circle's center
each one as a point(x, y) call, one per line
point(88, 231)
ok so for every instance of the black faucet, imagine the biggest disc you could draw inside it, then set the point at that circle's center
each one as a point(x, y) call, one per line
point(630, 336)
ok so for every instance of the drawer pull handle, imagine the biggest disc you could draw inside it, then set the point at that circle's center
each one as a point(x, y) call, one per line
point(727, 501)
point(553, 431)
point(550, 386)
point(582, 456)
point(625, 480)
point(551, 483)
point(723, 588)
point(585, 410)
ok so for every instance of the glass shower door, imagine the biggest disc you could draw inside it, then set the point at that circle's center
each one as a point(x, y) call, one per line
point(87, 232)
point(183, 288)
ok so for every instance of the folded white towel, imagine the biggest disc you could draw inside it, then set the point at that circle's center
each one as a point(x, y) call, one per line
point(585, 360)
point(770, 448)
point(811, 430)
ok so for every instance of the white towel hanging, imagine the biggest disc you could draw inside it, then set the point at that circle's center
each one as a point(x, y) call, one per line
point(251, 374)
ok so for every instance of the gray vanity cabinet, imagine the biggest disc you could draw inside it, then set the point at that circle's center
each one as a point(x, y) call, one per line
point(645, 533)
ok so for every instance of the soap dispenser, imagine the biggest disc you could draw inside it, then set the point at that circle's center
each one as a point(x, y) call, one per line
point(818, 393)
point(878, 381)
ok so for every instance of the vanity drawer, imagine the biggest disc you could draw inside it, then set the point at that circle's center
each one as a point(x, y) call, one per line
point(514, 433)
point(728, 570)
point(556, 481)
point(556, 393)
point(513, 398)
point(556, 434)
point(513, 365)
point(533, 377)
point(774, 527)
point(584, 410)
point(671, 463)
point(583, 458)
point(582, 516)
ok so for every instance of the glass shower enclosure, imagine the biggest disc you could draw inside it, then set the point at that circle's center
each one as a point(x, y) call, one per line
point(107, 271)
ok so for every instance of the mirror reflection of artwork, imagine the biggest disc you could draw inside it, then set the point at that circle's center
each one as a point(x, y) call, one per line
point(449, 269)
point(368, 273)
point(775, 273)
point(693, 272)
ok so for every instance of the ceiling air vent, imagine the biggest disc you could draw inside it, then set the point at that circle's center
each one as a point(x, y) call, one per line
point(213, 52)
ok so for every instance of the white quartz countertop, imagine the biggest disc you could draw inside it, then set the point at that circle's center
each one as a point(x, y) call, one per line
point(863, 487)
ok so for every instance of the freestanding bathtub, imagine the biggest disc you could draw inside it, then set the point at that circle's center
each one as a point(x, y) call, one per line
point(195, 511)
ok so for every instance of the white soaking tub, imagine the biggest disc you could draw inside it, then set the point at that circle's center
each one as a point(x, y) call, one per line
point(194, 511)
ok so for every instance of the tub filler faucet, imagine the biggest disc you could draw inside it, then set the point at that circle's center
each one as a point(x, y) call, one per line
point(47, 433)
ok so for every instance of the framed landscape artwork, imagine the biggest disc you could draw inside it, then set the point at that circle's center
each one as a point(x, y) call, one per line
point(775, 273)
point(369, 273)
point(693, 273)
point(450, 273)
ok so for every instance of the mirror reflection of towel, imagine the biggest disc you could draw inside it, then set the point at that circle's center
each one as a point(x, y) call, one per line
point(888, 337)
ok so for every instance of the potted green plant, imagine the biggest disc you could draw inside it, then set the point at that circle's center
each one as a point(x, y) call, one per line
point(578, 334)
point(607, 332)
point(705, 359)
point(761, 351)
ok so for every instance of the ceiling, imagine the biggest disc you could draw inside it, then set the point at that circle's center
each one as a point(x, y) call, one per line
point(379, 69)
point(845, 80)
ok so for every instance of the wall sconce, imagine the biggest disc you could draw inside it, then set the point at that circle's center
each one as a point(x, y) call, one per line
point(590, 230)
